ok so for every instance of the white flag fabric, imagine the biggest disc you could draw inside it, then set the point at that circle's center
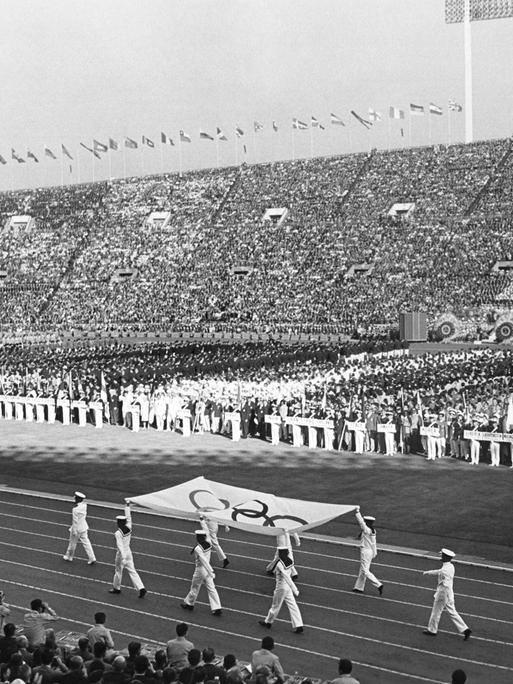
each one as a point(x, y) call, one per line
point(245, 509)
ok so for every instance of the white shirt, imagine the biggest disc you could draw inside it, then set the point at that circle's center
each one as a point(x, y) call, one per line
point(445, 574)
point(78, 518)
point(202, 558)
point(123, 539)
point(368, 538)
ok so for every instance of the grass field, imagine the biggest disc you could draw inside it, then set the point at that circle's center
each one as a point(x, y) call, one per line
point(418, 504)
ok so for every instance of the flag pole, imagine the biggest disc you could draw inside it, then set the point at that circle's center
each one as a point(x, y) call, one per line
point(124, 157)
point(109, 152)
point(236, 150)
point(409, 134)
point(448, 126)
point(467, 34)
point(94, 156)
point(293, 144)
point(429, 126)
point(254, 144)
point(180, 154)
point(311, 142)
point(389, 132)
point(217, 151)
point(161, 155)
point(78, 163)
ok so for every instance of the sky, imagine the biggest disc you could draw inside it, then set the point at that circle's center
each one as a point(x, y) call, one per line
point(77, 70)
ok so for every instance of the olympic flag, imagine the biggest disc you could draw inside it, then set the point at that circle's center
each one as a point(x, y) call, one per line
point(245, 509)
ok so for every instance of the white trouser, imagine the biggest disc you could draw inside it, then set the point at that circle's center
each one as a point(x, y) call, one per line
point(474, 451)
point(128, 565)
point(201, 576)
point(216, 546)
point(431, 448)
point(389, 443)
point(495, 451)
point(280, 595)
point(358, 441)
point(74, 538)
point(216, 422)
point(440, 447)
point(159, 418)
point(365, 573)
point(439, 604)
point(270, 566)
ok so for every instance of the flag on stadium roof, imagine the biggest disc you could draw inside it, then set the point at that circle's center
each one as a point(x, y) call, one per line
point(300, 125)
point(396, 113)
point(374, 115)
point(184, 137)
point(16, 156)
point(49, 153)
point(65, 151)
point(454, 106)
point(113, 144)
point(315, 123)
point(220, 135)
point(89, 149)
point(131, 143)
point(2, 160)
point(99, 146)
point(275, 127)
point(146, 141)
point(336, 120)
point(31, 155)
point(239, 132)
point(166, 140)
point(435, 109)
point(417, 110)
point(364, 122)
point(257, 126)
point(206, 136)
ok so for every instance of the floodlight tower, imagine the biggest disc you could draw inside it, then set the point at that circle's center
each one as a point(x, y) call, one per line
point(466, 11)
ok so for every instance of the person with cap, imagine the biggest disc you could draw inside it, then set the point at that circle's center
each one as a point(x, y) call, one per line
point(78, 530)
point(124, 559)
point(283, 541)
point(203, 574)
point(368, 551)
point(211, 527)
point(444, 597)
point(285, 590)
point(495, 447)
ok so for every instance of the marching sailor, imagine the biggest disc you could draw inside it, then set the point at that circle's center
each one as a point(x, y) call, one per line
point(78, 530)
point(368, 552)
point(283, 542)
point(444, 597)
point(124, 559)
point(211, 527)
point(285, 590)
point(203, 573)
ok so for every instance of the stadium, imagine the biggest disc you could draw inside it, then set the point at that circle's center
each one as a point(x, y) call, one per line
point(238, 299)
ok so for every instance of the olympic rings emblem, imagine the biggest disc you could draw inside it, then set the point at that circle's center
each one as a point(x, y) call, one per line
point(269, 521)
point(202, 503)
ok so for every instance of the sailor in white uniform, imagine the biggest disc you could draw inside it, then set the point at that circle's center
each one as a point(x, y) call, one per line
point(283, 542)
point(444, 597)
point(78, 530)
point(203, 573)
point(124, 559)
point(368, 552)
point(285, 590)
point(211, 527)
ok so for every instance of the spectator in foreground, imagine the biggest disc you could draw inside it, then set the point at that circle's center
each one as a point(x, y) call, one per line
point(8, 643)
point(212, 672)
point(345, 667)
point(118, 674)
point(35, 621)
point(231, 666)
point(458, 677)
point(178, 648)
point(99, 632)
point(193, 673)
point(264, 657)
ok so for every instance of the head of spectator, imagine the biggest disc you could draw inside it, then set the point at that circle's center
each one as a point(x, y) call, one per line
point(208, 655)
point(181, 629)
point(458, 677)
point(134, 649)
point(169, 675)
point(268, 643)
point(9, 629)
point(83, 645)
point(194, 657)
point(141, 665)
point(119, 664)
point(76, 663)
point(99, 649)
point(345, 666)
point(37, 605)
point(100, 618)
point(229, 661)
point(160, 659)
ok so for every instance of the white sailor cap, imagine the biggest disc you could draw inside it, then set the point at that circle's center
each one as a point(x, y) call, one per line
point(121, 517)
point(448, 552)
point(81, 495)
point(370, 518)
point(201, 531)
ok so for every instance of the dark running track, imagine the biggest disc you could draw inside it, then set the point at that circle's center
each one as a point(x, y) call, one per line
point(383, 636)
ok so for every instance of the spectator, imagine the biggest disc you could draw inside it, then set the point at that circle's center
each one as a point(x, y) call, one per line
point(134, 650)
point(193, 672)
point(232, 669)
point(345, 667)
point(8, 643)
point(117, 674)
point(212, 672)
point(99, 657)
point(40, 614)
point(143, 672)
point(458, 677)
point(99, 632)
point(178, 648)
point(83, 649)
point(264, 657)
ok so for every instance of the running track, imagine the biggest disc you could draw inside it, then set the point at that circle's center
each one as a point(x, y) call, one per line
point(382, 636)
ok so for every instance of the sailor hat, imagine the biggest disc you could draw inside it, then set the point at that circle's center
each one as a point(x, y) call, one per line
point(121, 517)
point(201, 531)
point(80, 495)
point(370, 518)
point(448, 552)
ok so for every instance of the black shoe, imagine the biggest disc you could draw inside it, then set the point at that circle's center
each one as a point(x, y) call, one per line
point(91, 562)
point(264, 624)
point(358, 591)
point(295, 578)
point(114, 591)
point(269, 572)
point(380, 590)
point(226, 562)
point(299, 630)
point(218, 611)
point(466, 634)
point(142, 592)
point(186, 606)
point(426, 631)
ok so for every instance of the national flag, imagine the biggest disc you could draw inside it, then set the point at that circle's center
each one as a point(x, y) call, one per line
point(2, 160)
point(113, 144)
point(416, 110)
point(185, 137)
point(257, 126)
point(49, 153)
point(31, 155)
point(131, 143)
point(396, 113)
point(89, 149)
point(205, 136)
point(364, 122)
point(220, 135)
point(99, 147)
point(16, 156)
point(239, 132)
point(275, 127)
point(435, 109)
point(166, 140)
point(146, 141)
point(300, 125)
point(65, 152)
point(336, 120)
point(314, 123)
point(454, 106)
point(374, 115)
